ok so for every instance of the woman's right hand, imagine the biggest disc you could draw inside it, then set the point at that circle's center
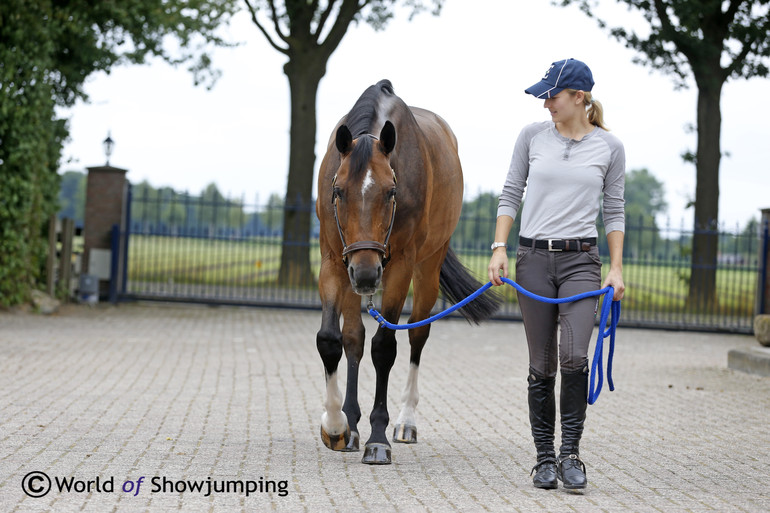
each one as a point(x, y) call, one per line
point(498, 263)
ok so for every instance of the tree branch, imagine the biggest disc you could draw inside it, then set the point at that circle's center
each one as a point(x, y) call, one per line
point(738, 60)
point(274, 17)
point(347, 13)
point(323, 18)
point(733, 9)
point(683, 43)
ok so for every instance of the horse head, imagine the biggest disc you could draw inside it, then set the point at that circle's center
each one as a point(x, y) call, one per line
point(364, 198)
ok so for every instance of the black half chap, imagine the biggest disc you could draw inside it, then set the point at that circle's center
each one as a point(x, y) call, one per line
point(558, 275)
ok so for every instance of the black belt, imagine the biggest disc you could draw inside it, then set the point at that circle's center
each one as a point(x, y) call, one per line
point(559, 244)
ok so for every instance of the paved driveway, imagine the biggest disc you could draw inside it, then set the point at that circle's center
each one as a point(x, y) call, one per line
point(173, 407)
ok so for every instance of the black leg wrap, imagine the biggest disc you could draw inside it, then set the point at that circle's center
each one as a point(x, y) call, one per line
point(542, 418)
point(574, 390)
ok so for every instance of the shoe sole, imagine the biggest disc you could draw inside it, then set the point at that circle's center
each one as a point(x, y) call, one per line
point(572, 487)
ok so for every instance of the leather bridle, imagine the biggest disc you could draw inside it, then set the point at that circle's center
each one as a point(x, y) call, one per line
point(380, 247)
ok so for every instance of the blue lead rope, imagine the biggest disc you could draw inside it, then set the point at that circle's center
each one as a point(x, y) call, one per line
point(610, 312)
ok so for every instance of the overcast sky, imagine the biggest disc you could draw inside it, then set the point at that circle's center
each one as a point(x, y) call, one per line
point(470, 65)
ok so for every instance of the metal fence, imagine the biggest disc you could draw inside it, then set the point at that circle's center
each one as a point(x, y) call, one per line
point(220, 251)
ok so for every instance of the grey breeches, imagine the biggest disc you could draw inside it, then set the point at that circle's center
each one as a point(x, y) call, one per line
point(558, 275)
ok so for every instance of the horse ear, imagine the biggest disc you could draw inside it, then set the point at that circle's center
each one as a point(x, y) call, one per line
point(344, 140)
point(388, 138)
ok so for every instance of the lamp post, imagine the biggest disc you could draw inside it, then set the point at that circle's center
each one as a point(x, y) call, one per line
point(108, 144)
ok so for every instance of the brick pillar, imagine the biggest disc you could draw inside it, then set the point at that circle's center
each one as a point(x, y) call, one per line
point(106, 196)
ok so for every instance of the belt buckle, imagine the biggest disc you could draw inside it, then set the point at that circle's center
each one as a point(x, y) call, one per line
point(550, 245)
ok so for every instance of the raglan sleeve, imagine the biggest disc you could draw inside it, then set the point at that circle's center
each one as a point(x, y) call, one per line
point(613, 206)
point(516, 179)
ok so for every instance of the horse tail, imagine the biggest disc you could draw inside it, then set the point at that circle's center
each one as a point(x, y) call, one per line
point(457, 283)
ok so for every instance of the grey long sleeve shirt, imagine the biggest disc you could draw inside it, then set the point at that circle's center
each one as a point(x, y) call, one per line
point(564, 179)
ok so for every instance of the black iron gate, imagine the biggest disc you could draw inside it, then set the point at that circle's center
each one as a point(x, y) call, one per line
point(177, 247)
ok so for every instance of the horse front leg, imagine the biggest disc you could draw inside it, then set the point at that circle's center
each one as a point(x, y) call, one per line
point(353, 333)
point(335, 432)
point(377, 449)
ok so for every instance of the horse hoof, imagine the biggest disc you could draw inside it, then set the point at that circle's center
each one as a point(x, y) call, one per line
point(405, 434)
point(336, 442)
point(352, 445)
point(376, 454)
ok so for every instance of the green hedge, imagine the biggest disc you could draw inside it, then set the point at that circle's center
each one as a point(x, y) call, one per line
point(31, 140)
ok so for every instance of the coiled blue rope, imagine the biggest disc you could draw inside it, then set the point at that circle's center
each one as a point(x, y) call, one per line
point(610, 312)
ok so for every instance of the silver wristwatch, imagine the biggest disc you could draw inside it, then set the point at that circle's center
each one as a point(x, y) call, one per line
point(496, 245)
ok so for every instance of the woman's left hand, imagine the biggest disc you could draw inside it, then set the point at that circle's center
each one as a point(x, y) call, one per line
point(615, 280)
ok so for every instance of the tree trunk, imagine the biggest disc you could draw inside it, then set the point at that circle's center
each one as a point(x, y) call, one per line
point(304, 73)
point(703, 270)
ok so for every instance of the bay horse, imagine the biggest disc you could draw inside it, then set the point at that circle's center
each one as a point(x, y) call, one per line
point(367, 243)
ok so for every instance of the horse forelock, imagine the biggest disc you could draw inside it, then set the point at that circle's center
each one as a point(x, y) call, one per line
point(361, 155)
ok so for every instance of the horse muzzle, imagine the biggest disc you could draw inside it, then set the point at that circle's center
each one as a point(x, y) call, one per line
point(365, 268)
point(365, 279)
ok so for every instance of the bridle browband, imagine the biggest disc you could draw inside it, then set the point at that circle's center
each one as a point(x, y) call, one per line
point(380, 247)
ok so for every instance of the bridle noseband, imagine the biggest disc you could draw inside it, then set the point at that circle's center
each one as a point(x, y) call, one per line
point(383, 249)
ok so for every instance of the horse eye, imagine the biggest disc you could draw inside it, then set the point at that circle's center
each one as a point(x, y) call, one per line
point(392, 193)
point(336, 193)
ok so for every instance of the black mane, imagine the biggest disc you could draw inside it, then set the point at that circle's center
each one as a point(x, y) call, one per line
point(360, 118)
point(359, 121)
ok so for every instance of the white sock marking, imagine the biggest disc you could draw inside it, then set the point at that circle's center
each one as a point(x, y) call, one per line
point(333, 419)
point(410, 398)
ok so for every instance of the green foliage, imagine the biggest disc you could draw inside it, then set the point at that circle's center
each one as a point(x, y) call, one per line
point(30, 142)
point(476, 228)
point(714, 40)
point(47, 51)
point(644, 194)
point(292, 21)
point(645, 199)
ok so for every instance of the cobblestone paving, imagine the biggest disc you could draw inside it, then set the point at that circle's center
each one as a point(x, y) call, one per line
point(151, 399)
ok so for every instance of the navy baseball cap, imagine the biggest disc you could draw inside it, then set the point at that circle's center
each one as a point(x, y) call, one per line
point(565, 74)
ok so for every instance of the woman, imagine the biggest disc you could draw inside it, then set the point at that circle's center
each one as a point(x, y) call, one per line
point(567, 164)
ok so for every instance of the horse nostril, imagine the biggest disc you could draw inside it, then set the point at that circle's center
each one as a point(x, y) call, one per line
point(365, 277)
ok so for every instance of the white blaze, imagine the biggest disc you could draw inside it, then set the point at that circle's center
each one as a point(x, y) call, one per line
point(367, 183)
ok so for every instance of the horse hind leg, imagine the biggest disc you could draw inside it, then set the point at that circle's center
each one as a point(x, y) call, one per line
point(426, 288)
point(351, 407)
point(405, 430)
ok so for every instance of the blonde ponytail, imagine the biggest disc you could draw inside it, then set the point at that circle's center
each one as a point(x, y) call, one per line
point(595, 110)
